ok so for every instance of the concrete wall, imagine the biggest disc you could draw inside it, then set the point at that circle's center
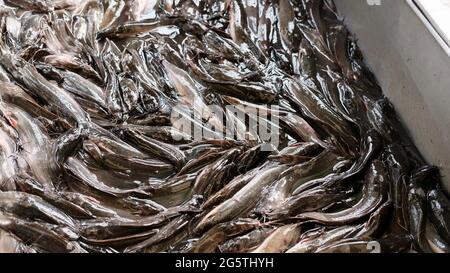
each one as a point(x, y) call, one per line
point(412, 68)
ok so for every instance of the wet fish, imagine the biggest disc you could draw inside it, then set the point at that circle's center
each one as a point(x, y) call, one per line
point(27, 75)
point(203, 126)
point(280, 240)
point(374, 192)
point(400, 243)
point(9, 243)
point(438, 211)
point(241, 201)
point(417, 206)
point(314, 240)
point(211, 239)
point(434, 240)
point(40, 236)
point(164, 233)
point(33, 207)
point(247, 242)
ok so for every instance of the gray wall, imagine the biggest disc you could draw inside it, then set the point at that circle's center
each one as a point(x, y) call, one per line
point(412, 68)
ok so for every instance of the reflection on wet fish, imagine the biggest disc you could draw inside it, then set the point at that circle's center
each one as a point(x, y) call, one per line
point(202, 126)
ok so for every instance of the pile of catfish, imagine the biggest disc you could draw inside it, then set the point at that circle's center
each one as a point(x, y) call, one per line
point(90, 160)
